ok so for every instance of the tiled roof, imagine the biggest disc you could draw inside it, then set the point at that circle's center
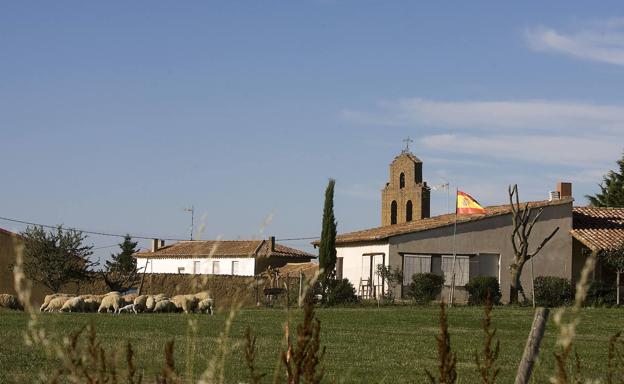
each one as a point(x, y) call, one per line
point(224, 248)
point(4, 231)
point(293, 269)
point(385, 232)
point(598, 228)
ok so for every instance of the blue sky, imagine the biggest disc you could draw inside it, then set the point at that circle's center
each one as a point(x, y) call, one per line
point(114, 116)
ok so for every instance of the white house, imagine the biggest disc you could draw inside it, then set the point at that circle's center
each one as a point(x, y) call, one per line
point(219, 257)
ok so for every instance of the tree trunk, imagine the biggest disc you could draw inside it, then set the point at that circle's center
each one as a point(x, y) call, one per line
point(514, 287)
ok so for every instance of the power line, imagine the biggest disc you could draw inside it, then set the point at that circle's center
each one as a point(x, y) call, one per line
point(86, 231)
point(119, 235)
point(106, 246)
point(299, 238)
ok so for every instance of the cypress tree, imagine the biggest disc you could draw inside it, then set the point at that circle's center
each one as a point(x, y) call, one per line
point(327, 244)
point(120, 273)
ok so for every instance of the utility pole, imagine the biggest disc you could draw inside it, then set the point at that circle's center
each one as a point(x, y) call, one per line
point(192, 211)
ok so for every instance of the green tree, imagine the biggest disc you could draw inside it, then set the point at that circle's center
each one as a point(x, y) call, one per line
point(327, 244)
point(120, 273)
point(614, 258)
point(611, 189)
point(56, 257)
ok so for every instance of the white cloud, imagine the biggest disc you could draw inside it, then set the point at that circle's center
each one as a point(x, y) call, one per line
point(603, 42)
point(360, 192)
point(542, 149)
point(540, 115)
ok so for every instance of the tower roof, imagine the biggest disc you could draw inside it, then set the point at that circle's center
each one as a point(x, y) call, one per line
point(409, 155)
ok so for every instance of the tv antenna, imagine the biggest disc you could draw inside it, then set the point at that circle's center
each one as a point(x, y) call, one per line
point(192, 211)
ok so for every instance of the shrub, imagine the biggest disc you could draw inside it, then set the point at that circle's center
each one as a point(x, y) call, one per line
point(552, 291)
point(479, 287)
point(341, 292)
point(600, 294)
point(425, 287)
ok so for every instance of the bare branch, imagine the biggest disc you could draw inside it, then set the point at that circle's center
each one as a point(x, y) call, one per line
point(544, 243)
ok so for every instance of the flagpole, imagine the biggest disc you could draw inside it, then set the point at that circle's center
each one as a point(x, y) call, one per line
point(452, 290)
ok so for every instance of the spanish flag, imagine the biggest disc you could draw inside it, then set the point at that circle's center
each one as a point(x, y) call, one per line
point(467, 205)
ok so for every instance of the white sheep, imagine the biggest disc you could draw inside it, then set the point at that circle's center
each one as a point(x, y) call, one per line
point(160, 297)
point(186, 303)
point(150, 303)
point(206, 305)
point(56, 304)
point(110, 301)
point(127, 309)
point(128, 299)
point(74, 304)
point(202, 295)
point(140, 303)
point(48, 298)
point(165, 306)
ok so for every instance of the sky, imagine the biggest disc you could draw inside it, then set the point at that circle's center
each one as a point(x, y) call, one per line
point(115, 116)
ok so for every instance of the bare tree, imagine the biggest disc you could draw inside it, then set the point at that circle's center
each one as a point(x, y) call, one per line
point(523, 219)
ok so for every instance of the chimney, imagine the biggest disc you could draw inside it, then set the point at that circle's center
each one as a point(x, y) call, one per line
point(564, 189)
point(272, 241)
point(157, 244)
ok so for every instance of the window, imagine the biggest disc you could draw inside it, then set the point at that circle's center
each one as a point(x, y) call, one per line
point(408, 211)
point(215, 267)
point(393, 212)
point(415, 264)
point(339, 263)
point(462, 266)
point(195, 266)
point(235, 267)
point(180, 269)
point(402, 180)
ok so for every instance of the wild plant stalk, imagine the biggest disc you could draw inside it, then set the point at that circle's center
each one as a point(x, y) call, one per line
point(615, 362)
point(567, 330)
point(168, 375)
point(486, 361)
point(191, 348)
point(302, 359)
point(250, 357)
point(447, 359)
point(215, 372)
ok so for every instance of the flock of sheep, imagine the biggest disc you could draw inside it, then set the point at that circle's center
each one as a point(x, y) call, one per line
point(117, 303)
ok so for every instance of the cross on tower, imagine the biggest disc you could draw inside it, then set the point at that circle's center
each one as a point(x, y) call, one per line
point(407, 142)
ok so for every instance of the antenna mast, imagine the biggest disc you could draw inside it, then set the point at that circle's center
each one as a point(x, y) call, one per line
point(192, 211)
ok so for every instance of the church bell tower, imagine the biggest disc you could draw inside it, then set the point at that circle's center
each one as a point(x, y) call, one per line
point(405, 197)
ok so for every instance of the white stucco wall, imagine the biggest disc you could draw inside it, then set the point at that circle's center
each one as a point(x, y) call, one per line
point(352, 267)
point(246, 266)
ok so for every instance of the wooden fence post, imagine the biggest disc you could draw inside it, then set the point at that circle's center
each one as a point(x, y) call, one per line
point(257, 291)
point(532, 347)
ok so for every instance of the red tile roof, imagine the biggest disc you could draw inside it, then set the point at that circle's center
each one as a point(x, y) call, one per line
point(224, 248)
point(4, 231)
point(598, 228)
point(293, 269)
point(385, 232)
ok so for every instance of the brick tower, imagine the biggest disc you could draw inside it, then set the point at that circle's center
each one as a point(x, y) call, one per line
point(405, 197)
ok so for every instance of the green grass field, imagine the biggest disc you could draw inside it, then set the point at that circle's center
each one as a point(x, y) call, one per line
point(364, 345)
